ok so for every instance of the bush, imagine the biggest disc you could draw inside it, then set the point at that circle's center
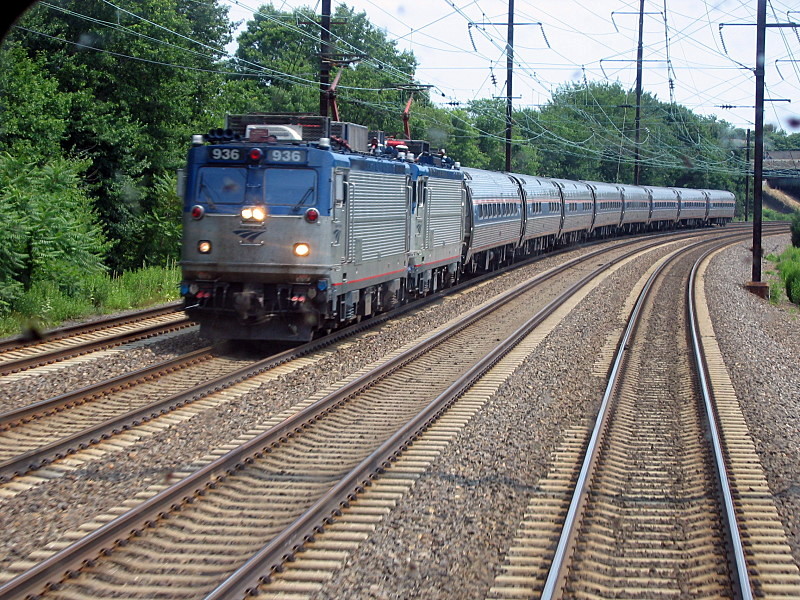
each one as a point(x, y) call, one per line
point(47, 304)
point(796, 230)
point(789, 269)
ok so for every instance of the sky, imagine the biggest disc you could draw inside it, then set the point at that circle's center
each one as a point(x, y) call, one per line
point(699, 53)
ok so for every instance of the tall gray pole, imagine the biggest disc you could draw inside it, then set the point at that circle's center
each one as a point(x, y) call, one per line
point(509, 73)
point(637, 169)
point(758, 151)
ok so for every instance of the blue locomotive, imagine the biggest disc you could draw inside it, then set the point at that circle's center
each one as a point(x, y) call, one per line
point(290, 231)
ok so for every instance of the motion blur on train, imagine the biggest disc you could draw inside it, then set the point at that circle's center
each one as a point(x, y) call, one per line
point(297, 225)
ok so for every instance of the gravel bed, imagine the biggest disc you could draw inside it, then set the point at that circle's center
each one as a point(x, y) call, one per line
point(762, 352)
point(41, 515)
point(551, 393)
point(448, 537)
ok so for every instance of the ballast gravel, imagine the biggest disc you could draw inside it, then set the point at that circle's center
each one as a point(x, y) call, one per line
point(448, 538)
point(760, 342)
point(44, 513)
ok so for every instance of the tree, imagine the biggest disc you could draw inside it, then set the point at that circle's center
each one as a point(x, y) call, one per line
point(48, 228)
point(288, 45)
point(139, 76)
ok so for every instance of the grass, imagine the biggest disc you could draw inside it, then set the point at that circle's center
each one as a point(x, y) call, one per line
point(767, 214)
point(788, 268)
point(45, 305)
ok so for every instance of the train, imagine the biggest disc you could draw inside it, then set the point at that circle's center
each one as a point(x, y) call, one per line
point(296, 225)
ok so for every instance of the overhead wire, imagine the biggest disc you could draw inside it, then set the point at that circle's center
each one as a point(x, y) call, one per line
point(312, 83)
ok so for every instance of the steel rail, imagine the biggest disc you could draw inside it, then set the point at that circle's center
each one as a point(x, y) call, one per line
point(26, 341)
point(44, 455)
point(259, 568)
point(745, 590)
point(557, 572)
point(54, 356)
point(68, 561)
point(284, 545)
point(35, 410)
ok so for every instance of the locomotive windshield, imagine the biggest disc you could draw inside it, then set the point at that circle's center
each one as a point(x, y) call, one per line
point(222, 185)
point(290, 187)
point(295, 188)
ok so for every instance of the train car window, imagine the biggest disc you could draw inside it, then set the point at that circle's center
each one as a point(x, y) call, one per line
point(221, 185)
point(294, 187)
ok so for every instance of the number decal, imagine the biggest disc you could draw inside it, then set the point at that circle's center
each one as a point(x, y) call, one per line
point(226, 154)
point(287, 156)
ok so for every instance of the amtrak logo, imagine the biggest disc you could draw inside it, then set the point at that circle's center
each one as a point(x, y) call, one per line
point(248, 235)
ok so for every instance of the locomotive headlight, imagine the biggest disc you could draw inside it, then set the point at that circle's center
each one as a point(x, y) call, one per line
point(301, 249)
point(204, 246)
point(254, 213)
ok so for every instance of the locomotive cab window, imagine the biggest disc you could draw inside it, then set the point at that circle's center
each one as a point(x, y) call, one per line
point(290, 187)
point(221, 185)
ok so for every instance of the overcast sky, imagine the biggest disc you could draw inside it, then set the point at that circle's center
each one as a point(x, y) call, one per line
point(563, 41)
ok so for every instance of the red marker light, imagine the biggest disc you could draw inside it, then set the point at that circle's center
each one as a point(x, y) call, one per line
point(312, 214)
point(255, 154)
point(198, 212)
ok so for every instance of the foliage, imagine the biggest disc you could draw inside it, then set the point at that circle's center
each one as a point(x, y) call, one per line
point(768, 214)
point(587, 131)
point(289, 44)
point(130, 81)
point(796, 230)
point(103, 294)
point(49, 230)
point(789, 269)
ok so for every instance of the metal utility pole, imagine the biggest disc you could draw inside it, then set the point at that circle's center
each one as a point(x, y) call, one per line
point(747, 180)
point(637, 169)
point(324, 57)
point(509, 73)
point(756, 285)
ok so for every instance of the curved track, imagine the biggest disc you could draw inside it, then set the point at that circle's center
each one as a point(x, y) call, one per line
point(266, 497)
point(656, 510)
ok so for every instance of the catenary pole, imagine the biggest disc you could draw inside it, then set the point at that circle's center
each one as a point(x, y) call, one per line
point(758, 151)
point(637, 168)
point(324, 57)
point(509, 73)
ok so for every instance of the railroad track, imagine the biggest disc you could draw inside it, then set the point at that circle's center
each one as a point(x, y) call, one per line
point(37, 349)
point(656, 510)
point(259, 504)
point(26, 352)
point(34, 436)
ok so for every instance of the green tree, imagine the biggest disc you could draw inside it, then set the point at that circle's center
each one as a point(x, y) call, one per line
point(50, 231)
point(288, 45)
point(139, 76)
